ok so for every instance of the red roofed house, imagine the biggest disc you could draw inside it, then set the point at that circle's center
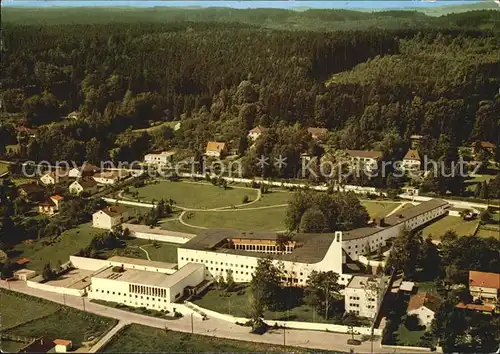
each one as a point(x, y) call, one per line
point(317, 133)
point(255, 133)
point(485, 145)
point(51, 205)
point(425, 306)
point(216, 149)
point(412, 160)
point(109, 217)
point(485, 286)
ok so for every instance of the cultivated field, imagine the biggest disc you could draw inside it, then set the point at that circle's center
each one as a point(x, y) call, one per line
point(30, 317)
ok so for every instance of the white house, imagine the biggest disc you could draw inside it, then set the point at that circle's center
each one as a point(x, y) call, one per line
point(110, 217)
point(110, 177)
point(485, 286)
point(83, 171)
point(411, 161)
point(162, 158)
point(424, 306)
point(79, 186)
point(216, 149)
point(367, 160)
point(364, 294)
point(255, 133)
point(62, 345)
point(54, 177)
point(51, 206)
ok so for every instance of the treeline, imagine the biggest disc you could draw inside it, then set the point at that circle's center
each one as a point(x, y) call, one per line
point(222, 79)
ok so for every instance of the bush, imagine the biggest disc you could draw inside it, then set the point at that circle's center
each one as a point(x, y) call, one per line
point(245, 199)
point(178, 314)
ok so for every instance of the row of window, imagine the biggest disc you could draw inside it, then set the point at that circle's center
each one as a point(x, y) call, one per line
point(353, 297)
point(130, 295)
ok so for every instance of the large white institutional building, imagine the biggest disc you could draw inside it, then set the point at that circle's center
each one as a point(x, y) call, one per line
point(223, 250)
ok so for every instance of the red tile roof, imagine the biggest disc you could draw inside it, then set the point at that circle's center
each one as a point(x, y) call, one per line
point(314, 131)
point(23, 261)
point(257, 129)
point(424, 299)
point(483, 279)
point(62, 342)
point(476, 307)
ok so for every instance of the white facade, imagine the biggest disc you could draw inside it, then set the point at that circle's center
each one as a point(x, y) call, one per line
point(424, 314)
point(48, 179)
point(363, 294)
point(138, 288)
point(373, 239)
point(409, 164)
point(243, 266)
point(104, 220)
point(159, 159)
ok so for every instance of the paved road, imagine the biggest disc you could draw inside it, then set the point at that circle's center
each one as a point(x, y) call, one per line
point(107, 337)
point(210, 327)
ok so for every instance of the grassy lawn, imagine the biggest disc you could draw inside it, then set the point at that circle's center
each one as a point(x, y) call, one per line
point(10, 346)
point(271, 219)
point(272, 198)
point(193, 195)
point(460, 226)
point(238, 304)
point(379, 209)
point(487, 233)
point(37, 317)
point(41, 251)
point(3, 168)
point(21, 180)
point(137, 338)
point(408, 338)
point(32, 308)
point(427, 286)
point(177, 226)
point(160, 251)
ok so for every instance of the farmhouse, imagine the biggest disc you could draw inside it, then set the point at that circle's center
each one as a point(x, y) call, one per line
point(31, 192)
point(110, 177)
point(51, 205)
point(424, 306)
point(216, 149)
point(411, 161)
point(83, 171)
point(109, 217)
point(85, 184)
point(369, 159)
point(317, 133)
point(255, 133)
point(484, 286)
point(54, 177)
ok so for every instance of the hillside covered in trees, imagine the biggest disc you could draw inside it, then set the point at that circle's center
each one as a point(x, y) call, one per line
point(370, 88)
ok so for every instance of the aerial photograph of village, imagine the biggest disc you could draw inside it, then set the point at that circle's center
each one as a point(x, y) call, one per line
point(250, 176)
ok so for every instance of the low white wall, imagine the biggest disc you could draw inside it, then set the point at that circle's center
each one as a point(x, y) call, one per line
point(290, 324)
point(127, 202)
point(88, 263)
point(148, 233)
point(408, 349)
point(369, 262)
point(55, 289)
